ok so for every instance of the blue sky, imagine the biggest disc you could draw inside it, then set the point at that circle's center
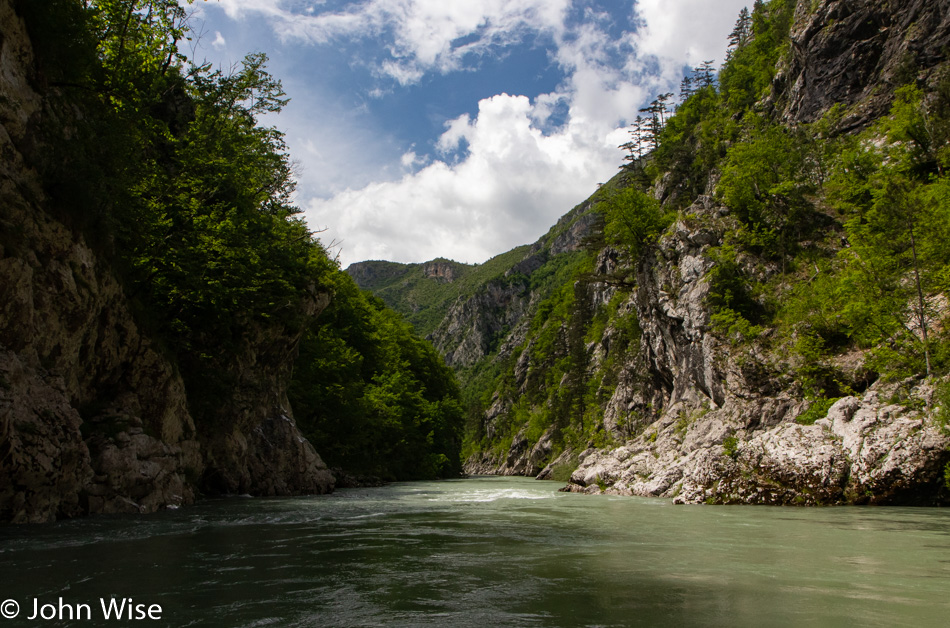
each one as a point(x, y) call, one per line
point(457, 128)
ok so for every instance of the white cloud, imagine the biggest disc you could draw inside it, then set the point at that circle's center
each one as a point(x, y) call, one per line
point(456, 130)
point(219, 42)
point(686, 31)
point(424, 32)
point(514, 183)
point(514, 180)
point(410, 160)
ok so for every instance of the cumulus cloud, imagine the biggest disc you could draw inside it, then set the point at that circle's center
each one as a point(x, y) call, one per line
point(411, 160)
point(685, 31)
point(513, 184)
point(506, 173)
point(456, 131)
point(219, 42)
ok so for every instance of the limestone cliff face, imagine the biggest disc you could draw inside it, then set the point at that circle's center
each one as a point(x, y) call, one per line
point(94, 416)
point(474, 327)
point(715, 424)
point(696, 418)
point(844, 51)
point(443, 271)
point(866, 450)
point(701, 421)
point(494, 317)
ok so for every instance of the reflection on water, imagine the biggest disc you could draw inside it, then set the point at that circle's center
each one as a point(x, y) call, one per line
point(492, 552)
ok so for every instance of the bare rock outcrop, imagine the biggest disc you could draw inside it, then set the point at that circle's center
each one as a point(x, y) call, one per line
point(865, 450)
point(715, 424)
point(843, 49)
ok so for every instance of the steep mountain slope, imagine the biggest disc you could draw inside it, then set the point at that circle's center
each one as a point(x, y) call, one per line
point(757, 311)
point(469, 311)
point(422, 293)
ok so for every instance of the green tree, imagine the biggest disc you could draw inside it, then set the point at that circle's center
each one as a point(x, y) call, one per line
point(897, 261)
point(371, 396)
point(919, 132)
point(633, 220)
point(897, 220)
point(748, 74)
point(766, 181)
point(741, 33)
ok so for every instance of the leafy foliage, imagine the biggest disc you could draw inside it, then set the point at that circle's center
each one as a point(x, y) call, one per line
point(170, 174)
point(817, 409)
point(371, 396)
point(766, 181)
point(753, 61)
point(633, 220)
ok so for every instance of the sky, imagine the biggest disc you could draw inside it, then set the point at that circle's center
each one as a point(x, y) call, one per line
point(457, 128)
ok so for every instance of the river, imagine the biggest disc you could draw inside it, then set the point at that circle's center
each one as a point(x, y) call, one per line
point(483, 552)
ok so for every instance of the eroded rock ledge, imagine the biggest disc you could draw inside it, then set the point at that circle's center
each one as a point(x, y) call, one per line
point(867, 449)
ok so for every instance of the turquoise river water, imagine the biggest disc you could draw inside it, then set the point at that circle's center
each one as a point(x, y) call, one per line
point(481, 552)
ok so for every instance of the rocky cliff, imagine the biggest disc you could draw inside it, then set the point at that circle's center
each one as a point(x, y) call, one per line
point(95, 416)
point(471, 312)
point(615, 377)
point(492, 319)
point(728, 425)
point(855, 53)
point(720, 424)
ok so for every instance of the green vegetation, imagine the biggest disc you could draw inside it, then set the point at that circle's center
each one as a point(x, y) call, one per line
point(633, 220)
point(561, 472)
point(881, 293)
point(730, 447)
point(817, 409)
point(798, 193)
point(423, 299)
point(836, 247)
point(371, 396)
point(167, 172)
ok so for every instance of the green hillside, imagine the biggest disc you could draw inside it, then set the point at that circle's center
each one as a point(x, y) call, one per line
point(422, 297)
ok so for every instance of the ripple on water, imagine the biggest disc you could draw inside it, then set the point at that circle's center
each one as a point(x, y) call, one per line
point(496, 552)
point(487, 496)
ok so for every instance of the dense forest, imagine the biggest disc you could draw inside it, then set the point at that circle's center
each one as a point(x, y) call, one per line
point(161, 163)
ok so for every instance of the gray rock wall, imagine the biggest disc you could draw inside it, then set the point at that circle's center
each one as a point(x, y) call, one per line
point(866, 450)
point(843, 50)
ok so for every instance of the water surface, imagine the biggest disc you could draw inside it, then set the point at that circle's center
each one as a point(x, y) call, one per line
point(490, 552)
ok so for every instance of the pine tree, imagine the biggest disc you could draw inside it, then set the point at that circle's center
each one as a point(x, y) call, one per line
point(704, 75)
point(686, 89)
point(662, 108)
point(740, 35)
point(651, 126)
point(635, 148)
